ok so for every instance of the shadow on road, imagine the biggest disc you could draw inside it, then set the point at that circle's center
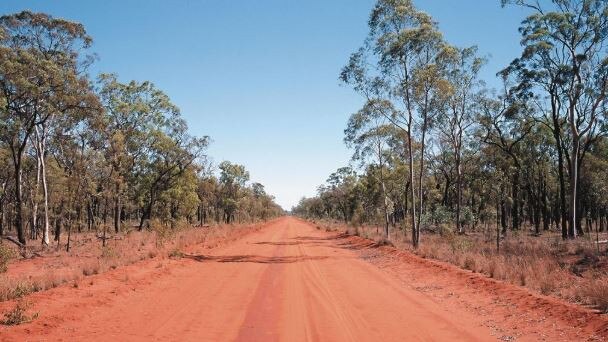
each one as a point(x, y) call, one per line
point(253, 258)
point(317, 238)
point(342, 241)
point(279, 243)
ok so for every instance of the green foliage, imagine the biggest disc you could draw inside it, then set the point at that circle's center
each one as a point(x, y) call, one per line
point(467, 216)
point(500, 158)
point(441, 215)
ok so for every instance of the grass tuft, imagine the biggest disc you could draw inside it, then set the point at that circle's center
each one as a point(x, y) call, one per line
point(18, 315)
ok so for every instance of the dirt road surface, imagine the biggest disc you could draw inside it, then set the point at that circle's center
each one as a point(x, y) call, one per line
point(287, 282)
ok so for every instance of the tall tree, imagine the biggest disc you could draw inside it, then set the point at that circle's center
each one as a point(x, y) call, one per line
point(459, 114)
point(40, 77)
point(565, 61)
point(397, 65)
point(367, 132)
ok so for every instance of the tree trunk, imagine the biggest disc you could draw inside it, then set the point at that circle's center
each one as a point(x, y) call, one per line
point(147, 212)
point(515, 197)
point(34, 199)
point(117, 209)
point(59, 222)
point(40, 143)
point(503, 211)
point(556, 129)
point(415, 233)
point(498, 227)
point(381, 165)
point(1, 218)
point(421, 175)
point(459, 227)
point(67, 246)
point(572, 231)
point(545, 208)
point(19, 205)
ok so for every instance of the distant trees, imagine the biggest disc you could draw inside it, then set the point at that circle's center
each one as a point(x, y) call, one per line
point(519, 156)
point(77, 152)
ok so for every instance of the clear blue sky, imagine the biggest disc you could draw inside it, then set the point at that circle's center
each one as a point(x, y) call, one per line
point(261, 76)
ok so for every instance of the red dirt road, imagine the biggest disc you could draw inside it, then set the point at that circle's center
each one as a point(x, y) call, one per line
point(286, 282)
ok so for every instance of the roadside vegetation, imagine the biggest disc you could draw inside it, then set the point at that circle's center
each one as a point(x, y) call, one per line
point(88, 257)
point(510, 182)
point(95, 171)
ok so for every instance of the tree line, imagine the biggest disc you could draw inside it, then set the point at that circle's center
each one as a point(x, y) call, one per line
point(434, 145)
point(83, 154)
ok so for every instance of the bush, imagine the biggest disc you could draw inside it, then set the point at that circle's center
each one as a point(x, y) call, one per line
point(467, 217)
point(18, 315)
point(596, 293)
point(163, 232)
point(469, 262)
point(176, 254)
point(6, 254)
point(441, 215)
point(23, 289)
point(109, 253)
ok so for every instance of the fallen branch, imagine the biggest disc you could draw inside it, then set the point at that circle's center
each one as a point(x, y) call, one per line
point(15, 241)
point(22, 248)
point(107, 237)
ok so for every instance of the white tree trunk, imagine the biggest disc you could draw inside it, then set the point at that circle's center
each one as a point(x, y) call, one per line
point(40, 151)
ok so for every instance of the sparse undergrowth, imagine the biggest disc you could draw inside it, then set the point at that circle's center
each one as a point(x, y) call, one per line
point(87, 257)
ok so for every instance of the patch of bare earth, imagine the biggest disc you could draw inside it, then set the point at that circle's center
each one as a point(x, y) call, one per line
point(511, 312)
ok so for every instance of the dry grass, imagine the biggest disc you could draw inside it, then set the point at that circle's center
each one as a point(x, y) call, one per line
point(6, 254)
point(88, 257)
point(18, 315)
point(570, 270)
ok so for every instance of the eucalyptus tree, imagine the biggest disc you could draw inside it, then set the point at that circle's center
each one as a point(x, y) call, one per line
point(70, 148)
point(504, 122)
point(233, 178)
point(458, 115)
point(41, 76)
point(367, 132)
point(134, 113)
point(565, 64)
point(171, 153)
point(397, 65)
point(338, 193)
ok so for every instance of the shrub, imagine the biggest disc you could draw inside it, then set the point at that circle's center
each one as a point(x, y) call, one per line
point(596, 293)
point(18, 315)
point(459, 244)
point(91, 268)
point(6, 254)
point(22, 289)
point(440, 216)
point(163, 232)
point(547, 283)
point(469, 262)
point(108, 253)
point(176, 253)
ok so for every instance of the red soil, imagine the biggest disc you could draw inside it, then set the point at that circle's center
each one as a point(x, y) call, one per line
point(292, 282)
